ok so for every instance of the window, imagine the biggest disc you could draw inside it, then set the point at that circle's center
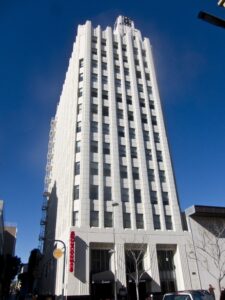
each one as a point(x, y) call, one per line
point(126, 71)
point(124, 58)
point(159, 156)
point(119, 113)
point(151, 176)
point(153, 197)
point(132, 133)
point(162, 176)
point(94, 218)
point(133, 152)
point(94, 108)
point(121, 131)
point(139, 221)
point(105, 95)
point(94, 63)
point(100, 260)
point(117, 69)
point(146, 135)
point(165, 198)
point(129, 100)
point(127, 84)
point(140, 88)
point(94, 51)
point(144, 119)
point(81, 63)
point(78, 127)
point(106, 148)
point(103, 42)
point(130, 116)
point(138, 74)
point(105, 128)
point(125, 195)
point(137, 196)
point(108, 219)
point(78, 146)
point(154, 121)
point(80, 92)
point(104, 66)
point(115, 45)
point(147, 76)
point(152, 105)
point(135, 173)
point(136, 62)
point(79, 108)
point(94, 126)
point(126, 220)
point(77, 168)
point(148, 154)
point(156, 221)
point(76, 192)
point(81, 77)
point(142, 102)
point(118, 99)
point(169, 224)
point(156, 137)
point(93, 192)
point(107, 193)
point(105, 111)
point(94, 77)
point(94, 93)
point(94, 168)
point(107, 169)
point(94, 146)
point(149, 88)
point(122, 151)
point(123, 171)
point(75, 218)
point(104, 80)
point(118, 83)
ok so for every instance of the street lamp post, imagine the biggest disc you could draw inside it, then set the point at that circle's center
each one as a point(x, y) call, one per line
point(114, 204)
point(64, 265)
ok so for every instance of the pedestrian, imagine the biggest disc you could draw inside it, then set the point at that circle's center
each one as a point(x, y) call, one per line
point(211, 291)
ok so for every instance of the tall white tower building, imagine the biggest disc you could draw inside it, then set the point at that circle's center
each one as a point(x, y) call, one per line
point(110, 188)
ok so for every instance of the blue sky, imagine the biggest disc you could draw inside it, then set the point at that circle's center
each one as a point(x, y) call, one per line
point(36, 43)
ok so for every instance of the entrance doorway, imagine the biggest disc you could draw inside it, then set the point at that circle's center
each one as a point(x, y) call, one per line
point(102, 291)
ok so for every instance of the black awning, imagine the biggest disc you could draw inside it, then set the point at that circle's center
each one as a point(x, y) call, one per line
point(103, 277)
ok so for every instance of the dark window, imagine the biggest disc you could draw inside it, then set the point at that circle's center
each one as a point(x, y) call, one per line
point(103, 53)
point(94, 219)
point(80, 92)
point(121, 131)
point(107, 193)
point(130, 116)
point(153, 197)
point(152, 105)
point(79, 108)
point(142, 102)
point(81, 63)
point(126, 71)
point(94, 146)
point(105, 111)
point(107, 169)
point(148, 154)
point(133, 152)
point(149, 89)
point(76, 192)
point(138, 74)
point(147, 76)
point(94, 168)
point(94, 51)
point(129, 100)
point(94, 108)
point(123, 171)
point(77, 168)
point(132, 133)
point(140, 88)
point(165, 198)
point(156, 220)
point(169, 224)
point(118, 99)
point(135, 173)
point(94, 77)
point(77, 146)
point(151, 176)
point(127, 84)
point(122, 151)
point(78, 127)
point(94, 126)
point(94, 93)
point(105, 95)
point(126, 220)
point(93, 192)
point(106, 148)
point(104, 80)
point(75, 218)
point(162, 176)
point(118, 83)
point(104, 66)
point(159, 156)
point(108, 219)
point(105, 128)
point(137, 196)
point(119, 113)
point(94, 63)
point(139, 221)
point(100, 260)
point(103, 42)
point(81, 77)
point(144, 119)
point(125, 195)
point(156, 137)
point(154, 121)
point(146, 135)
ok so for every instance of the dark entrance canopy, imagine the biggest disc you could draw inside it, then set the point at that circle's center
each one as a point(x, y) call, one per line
point(103, 277)
point(144, 277)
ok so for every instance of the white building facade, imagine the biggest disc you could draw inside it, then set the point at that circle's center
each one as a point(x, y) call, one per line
point(109, 174)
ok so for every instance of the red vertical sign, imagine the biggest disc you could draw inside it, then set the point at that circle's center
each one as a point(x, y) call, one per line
point(72, 251)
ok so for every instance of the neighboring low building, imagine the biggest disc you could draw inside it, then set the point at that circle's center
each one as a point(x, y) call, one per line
point(207, 227)
point(1, 227)
point(10, 231)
